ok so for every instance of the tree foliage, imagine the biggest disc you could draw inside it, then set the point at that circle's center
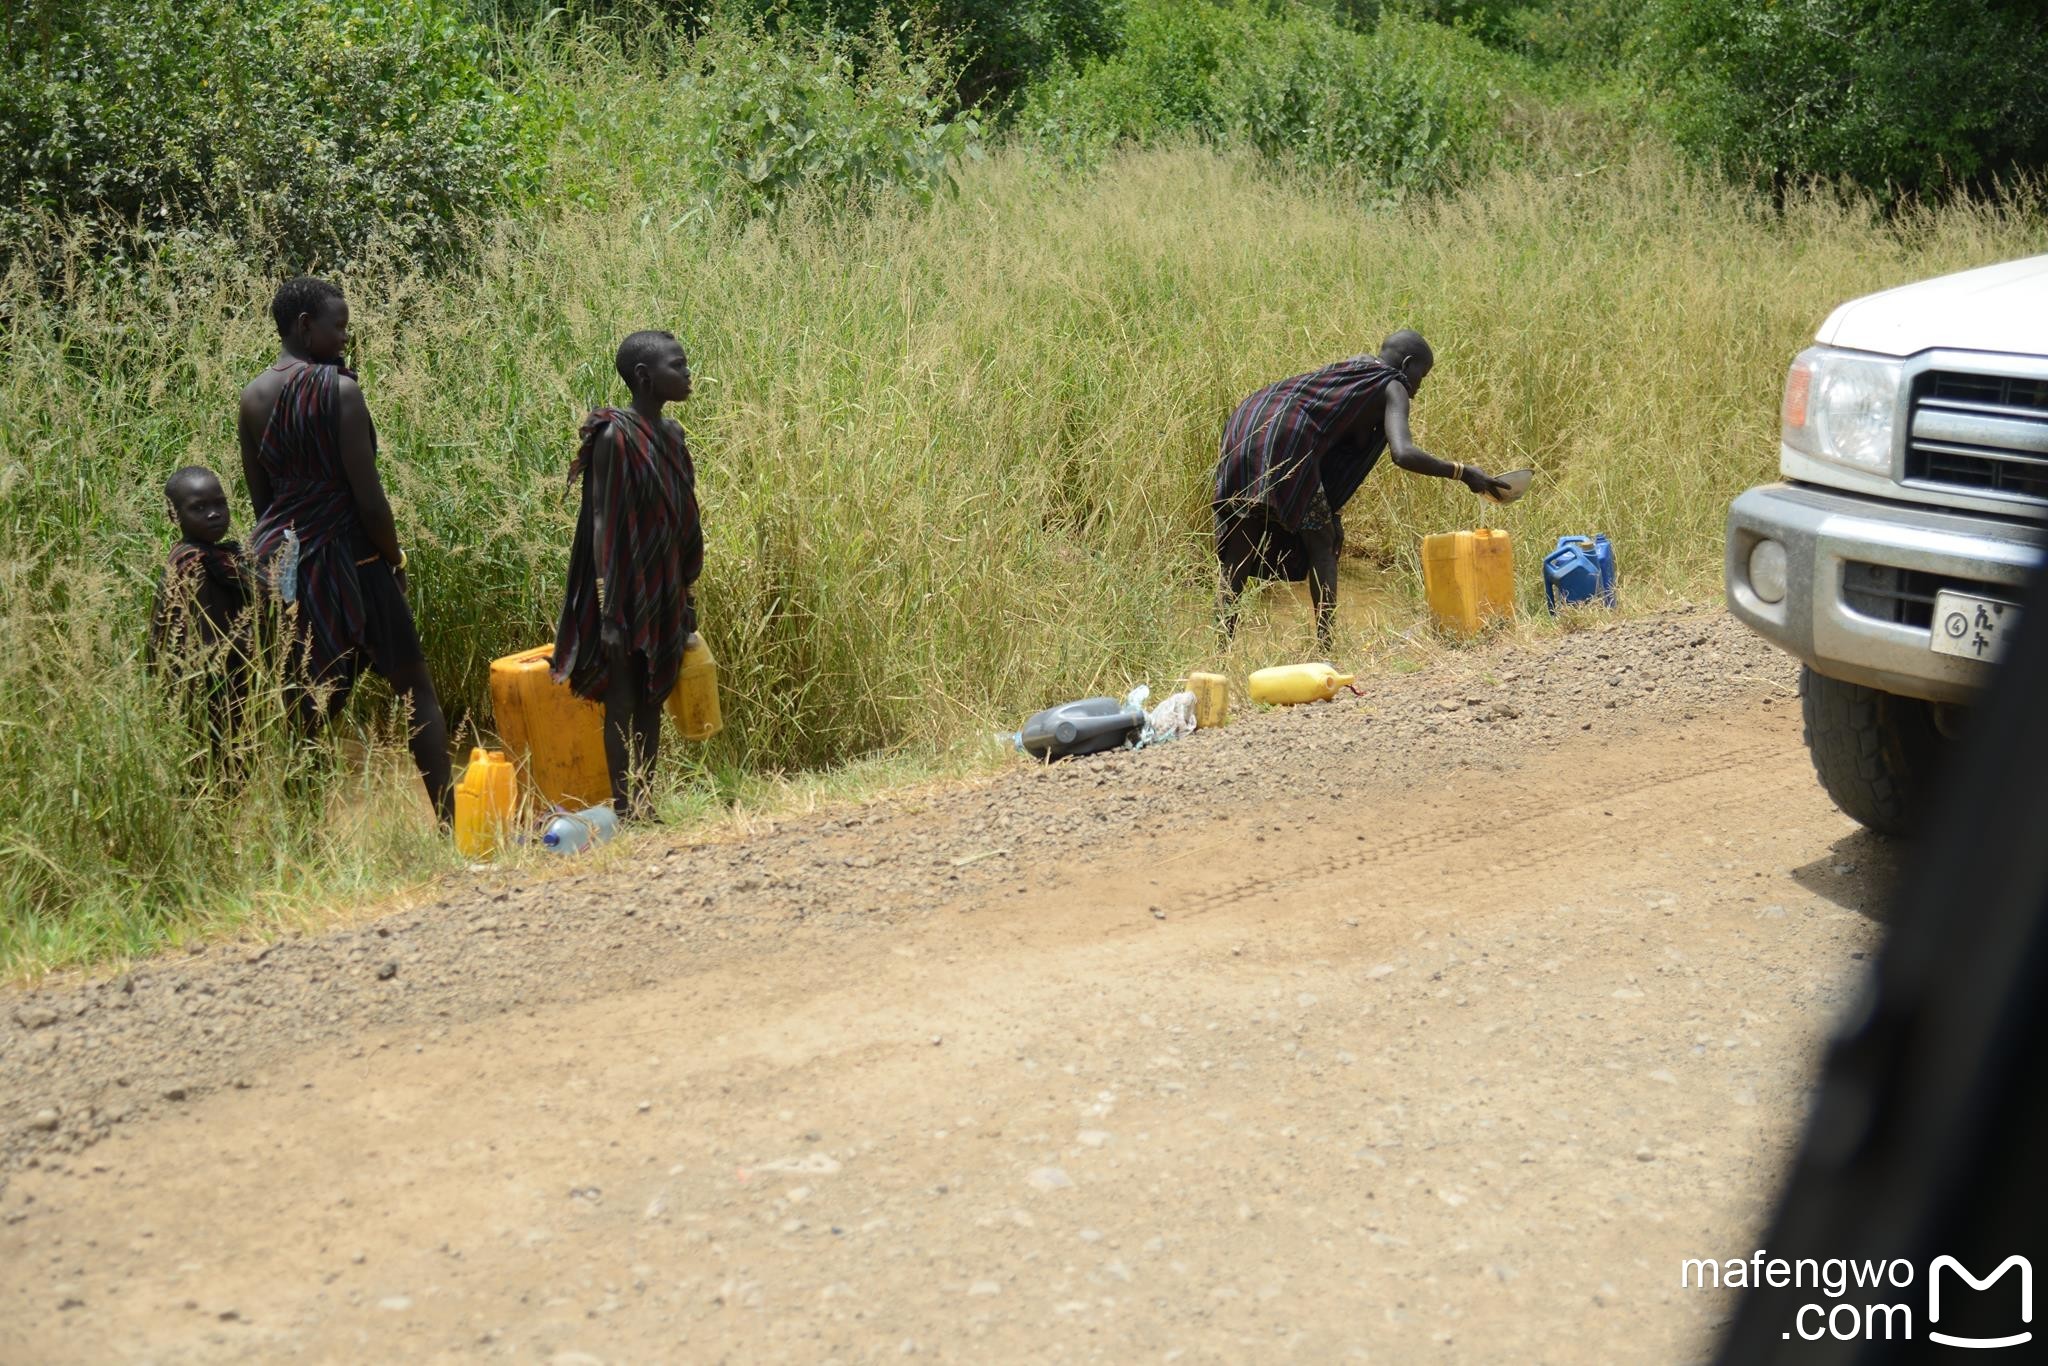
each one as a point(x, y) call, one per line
point(999, 46)
point(1002, 45)
point(1894, 94)
point(1406, 105)
point(744, 119)
point(299, 125)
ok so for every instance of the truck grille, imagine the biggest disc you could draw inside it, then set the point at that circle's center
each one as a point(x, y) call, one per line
point(1984, 433)
point(1906, 596)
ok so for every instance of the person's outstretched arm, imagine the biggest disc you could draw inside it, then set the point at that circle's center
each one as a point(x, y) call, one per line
point(1401, 448)
point(359, 463)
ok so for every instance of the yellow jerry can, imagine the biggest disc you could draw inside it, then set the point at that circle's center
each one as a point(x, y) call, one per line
point(1468, 578)
point(556, 736)
point(486, 801)
point(693, 702)
point(1292, 684)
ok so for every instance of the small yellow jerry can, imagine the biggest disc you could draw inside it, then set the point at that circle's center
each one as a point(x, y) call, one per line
point(693, 702)
point(485, 803)
point(1212, 700)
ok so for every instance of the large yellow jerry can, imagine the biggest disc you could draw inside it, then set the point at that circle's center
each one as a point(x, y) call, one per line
point(557, 736)
point(485, 802)
point(1291, 684)
point(693, 702)
point(1469, 578)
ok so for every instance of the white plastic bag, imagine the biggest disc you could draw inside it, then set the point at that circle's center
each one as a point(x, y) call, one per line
point(1170, 720)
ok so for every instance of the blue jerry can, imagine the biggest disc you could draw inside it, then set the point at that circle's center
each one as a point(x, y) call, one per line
point(1580, 569)
point(1603, 555)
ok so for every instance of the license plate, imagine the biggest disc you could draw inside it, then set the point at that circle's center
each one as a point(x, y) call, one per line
point(1973, 627)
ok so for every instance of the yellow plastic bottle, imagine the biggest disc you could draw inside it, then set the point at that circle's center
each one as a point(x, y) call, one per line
point(1212, 700)
point(693, 702)
point(1290, 685)
point(555, 735)
point(485, 802)
point(1469, 578)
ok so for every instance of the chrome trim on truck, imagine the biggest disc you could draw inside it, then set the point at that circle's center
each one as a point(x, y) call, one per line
point(1972, 451)
point(1825, 533)
point(1979, 434)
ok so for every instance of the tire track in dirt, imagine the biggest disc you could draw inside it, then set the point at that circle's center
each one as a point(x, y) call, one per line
point(1528, 839)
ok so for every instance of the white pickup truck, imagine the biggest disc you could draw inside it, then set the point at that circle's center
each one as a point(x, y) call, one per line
point(1913, 508)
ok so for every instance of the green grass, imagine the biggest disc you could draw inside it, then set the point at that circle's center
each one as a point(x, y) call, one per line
point(954, 461)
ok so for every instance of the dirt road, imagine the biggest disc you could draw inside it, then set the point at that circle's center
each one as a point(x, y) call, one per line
point(1434, 1026)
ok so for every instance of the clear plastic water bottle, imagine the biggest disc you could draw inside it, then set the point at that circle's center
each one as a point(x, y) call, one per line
point(574, 830)
point(288, 567)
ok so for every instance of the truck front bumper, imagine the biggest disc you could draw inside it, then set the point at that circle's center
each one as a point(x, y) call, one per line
point(1860, 579)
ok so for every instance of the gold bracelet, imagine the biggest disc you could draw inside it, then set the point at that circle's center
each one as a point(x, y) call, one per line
point(401, 559)
point(1458, 468)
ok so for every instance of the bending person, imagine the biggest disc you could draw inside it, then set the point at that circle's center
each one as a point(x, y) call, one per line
point(1295, 452)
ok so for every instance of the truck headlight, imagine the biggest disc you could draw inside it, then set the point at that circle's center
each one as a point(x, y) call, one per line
point(1842, 406)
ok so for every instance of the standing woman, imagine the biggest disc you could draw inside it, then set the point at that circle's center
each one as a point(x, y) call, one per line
point(324, 539)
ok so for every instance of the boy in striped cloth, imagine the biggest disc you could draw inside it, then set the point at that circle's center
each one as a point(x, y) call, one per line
point(1295, 452)
point(199, 634)
point(627, 613)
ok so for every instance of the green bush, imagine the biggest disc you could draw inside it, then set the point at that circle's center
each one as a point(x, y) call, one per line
point(1591, 36)
point(1160, 81)
point(1492, 21)
point(1408, 105)
point(741, 118)
point(308, 127)
point(1001, 45)
point(1398, 123)
point(1901, 95)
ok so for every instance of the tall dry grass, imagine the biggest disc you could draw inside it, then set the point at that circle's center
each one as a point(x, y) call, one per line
point(954, 461)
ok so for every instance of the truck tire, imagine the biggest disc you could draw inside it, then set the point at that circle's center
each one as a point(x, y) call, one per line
point(1876, 753)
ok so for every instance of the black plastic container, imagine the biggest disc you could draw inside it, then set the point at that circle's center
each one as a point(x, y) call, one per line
point(1086, 727)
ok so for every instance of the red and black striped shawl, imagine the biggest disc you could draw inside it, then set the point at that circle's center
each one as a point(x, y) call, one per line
point(1322, 428)
point(653, 552)
point(311, 495)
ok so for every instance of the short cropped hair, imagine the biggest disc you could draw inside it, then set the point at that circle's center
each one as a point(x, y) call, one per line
point(300, 294)
point(187, 475)
point(640, 348)
point(1407, 344)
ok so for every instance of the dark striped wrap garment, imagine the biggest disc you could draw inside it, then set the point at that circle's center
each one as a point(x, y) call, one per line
point(1321, 429)
point(652, 553)
point(310, 495)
